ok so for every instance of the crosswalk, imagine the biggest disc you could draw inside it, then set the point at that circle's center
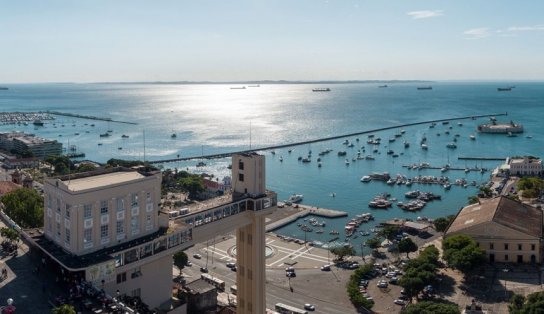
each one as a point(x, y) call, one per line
point(299, 254)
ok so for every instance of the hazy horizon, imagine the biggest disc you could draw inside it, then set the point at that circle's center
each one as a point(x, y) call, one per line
point(255, 40)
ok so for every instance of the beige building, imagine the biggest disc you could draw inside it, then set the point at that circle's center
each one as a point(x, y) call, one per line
point(107, 227)
point(526, 166)
point(508, 231)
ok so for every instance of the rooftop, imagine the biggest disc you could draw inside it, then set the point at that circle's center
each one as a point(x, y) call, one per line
point(102, 180)
point(8, 186)
point(502, 210)
point(199, 286)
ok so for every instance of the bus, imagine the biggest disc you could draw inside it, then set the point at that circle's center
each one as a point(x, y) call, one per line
point(219, 284)
point(287, 309)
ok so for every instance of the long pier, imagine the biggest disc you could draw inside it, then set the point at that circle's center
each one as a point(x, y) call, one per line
point(324, 139)
point(480, 158)
point(74, 115)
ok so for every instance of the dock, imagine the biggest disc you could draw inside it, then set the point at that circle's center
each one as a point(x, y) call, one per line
point(324, 139)
point(80, 116)
point(306, 210)
point(481, 158)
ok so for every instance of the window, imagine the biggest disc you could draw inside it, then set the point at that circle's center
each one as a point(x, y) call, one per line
point(58, 229)
point(532, 247)
point(120, 204)
point(134, 199)
point(506, 257)
point(240, 165)
point(68, 211)
point(148, 197)
point(122, 277)
point(58, 205)
point(491, 246)
point(87, 211)
point(520, 247)
point(136, 272)
point(120, 227)
point(134, 224)
point(67, 235)
point(148, 219)
point(506, 246)
point(49, 202)
point(136, 292)
point(49, 227)
point(104, 231)
point(88, 236)
point(103, 207)
point(241, 177)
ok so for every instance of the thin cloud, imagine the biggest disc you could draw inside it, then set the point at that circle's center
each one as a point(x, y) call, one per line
point(477, 33)
point(526, 28)
point(424, 14)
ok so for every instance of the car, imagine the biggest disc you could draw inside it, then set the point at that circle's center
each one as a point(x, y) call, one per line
point(203, 269)
point(371, 299)
point(382, 284)
point(390, 274)
point(364, 283)
point(197, 256)
point(233, 268)
point(290, 268)
point(394, 280)
point(230, 264)
point(290, 274)
point(403, 292)
point(189, 264)
point(309, 307)
point(403, 297)
point(326, 267)
point(399, 302)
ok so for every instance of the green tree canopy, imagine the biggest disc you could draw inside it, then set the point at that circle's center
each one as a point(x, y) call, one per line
point(25, 207)
point(432, 307)
point(390, 232)
point(9, 234)
point(461, 252)
point(342, 251)
point(442, 223)
point(473, 199)
point(420, 271)
point(373, 243)
point(180, 260)
point(64, 309)
point(353, 287)
point(406, 245)
point(532, 304)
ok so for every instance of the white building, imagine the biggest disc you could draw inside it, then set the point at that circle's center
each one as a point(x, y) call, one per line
point(526, 166)
point(21, 142)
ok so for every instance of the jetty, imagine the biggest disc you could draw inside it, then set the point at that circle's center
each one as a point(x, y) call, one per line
point(306, 210)
point(480, 158)
point(324, 139)
point(80, 116)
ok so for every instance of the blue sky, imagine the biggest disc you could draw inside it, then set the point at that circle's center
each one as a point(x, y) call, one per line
point(89, 41)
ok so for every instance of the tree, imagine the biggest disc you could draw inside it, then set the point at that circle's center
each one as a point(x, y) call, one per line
point(406, 245)
point(64, 309)
point(442, 223)
point(342, 251)
point(533, 303)
point(180, 260)
point(373, 243)
point(194, 184)
point(473, 200)
point(461, 252)
point(432, 307)
point(10, 234)
point(420, 271)
point(25, 207)
point(353, 287)
point(390, 232)
point(85, 168)
point(412, 284)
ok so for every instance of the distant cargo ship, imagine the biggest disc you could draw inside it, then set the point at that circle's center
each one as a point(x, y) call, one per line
point(424, 87)
point(243, 87)
point(3, 88)
point(383, 86)
point(504, 89)
point(321, 89)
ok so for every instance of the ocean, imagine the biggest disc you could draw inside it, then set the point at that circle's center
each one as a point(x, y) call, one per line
point(214, 118)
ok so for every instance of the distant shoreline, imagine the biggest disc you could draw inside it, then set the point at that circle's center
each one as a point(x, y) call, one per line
point(269, 82)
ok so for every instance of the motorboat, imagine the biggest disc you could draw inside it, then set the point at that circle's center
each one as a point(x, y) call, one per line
point(295, 198)
point(366, 179)
point(451, 145)
point(424, 146)
point(472, 137)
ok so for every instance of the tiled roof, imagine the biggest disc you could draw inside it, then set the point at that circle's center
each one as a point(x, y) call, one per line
point(501, 210)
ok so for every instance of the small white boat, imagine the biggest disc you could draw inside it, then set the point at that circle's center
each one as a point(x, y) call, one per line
point(424, 146)
point(472, 137)
point(295, 198)
point(366, 179)
point(347, 162)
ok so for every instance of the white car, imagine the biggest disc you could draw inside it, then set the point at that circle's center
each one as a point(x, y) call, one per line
point(400, 302)
point(309, 307)
point(197, 256)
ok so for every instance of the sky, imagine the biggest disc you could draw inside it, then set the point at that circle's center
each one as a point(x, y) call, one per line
point(238, 40)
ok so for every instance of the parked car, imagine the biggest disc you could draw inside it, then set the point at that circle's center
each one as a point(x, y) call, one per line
point(393, 280)
point(230, 264)
point(326, 267)
point(197, 256)
point(390, 274)
point(233, 268)
point(364, 283)
point(382, 284)
point(400, 302)
point(309, 307)
point(203, 269)
point(188, 263)
point(290, 268)
point(290, 274)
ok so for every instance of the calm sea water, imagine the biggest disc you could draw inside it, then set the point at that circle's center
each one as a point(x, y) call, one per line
point(214, 118)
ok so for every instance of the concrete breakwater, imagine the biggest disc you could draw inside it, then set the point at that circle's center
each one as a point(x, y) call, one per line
point(67, 114)
point(306, 210)
point(324, 139)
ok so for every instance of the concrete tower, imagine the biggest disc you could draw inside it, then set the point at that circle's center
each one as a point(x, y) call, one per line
point(248, 171)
